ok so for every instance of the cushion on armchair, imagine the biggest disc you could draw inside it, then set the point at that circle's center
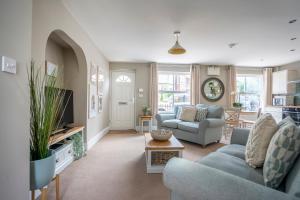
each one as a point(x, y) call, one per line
point(201, 114)
point(188, 114)
point(283, 150)
point(259, 138)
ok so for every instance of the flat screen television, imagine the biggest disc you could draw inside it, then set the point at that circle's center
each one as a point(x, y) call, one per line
point(66, 115)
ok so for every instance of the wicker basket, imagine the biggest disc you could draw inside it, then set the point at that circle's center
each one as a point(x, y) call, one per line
point(162, 157)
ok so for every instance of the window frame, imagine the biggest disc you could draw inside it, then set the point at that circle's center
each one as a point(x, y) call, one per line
point(259, 93)
point(173, 91)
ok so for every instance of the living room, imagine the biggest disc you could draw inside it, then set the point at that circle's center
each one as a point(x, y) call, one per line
point(150, 100)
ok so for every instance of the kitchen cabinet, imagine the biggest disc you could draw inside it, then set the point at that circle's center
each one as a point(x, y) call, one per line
point(280, 82)
point(293, 112)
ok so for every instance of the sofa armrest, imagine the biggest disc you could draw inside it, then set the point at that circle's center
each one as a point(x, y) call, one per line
point(164, 116)
point(215, 122)
point(195, 181)
point(240, 136)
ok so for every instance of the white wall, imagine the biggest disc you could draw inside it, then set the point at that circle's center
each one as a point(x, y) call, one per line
point(15, 42)
point(291, 66)
point(52, 15)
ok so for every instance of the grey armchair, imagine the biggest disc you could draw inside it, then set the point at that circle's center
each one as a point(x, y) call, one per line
point(204, 132)
point(224, 175)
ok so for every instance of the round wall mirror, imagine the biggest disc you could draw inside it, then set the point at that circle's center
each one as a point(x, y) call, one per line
point(212, 89)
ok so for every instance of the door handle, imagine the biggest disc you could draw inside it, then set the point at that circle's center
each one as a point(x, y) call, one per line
point(122, 103)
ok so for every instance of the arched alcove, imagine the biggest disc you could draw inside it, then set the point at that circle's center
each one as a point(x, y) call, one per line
point(65, 53)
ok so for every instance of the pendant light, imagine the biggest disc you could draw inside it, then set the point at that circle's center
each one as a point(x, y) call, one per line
point(177, 48)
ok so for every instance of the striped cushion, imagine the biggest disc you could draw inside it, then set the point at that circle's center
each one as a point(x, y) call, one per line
point(201, 114)
point(282, 152)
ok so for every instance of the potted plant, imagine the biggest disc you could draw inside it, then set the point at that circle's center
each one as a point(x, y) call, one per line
point(146, 110)
point(237, 105)
point(45, 105)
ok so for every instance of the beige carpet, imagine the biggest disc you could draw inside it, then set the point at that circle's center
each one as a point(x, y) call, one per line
point(114, 169)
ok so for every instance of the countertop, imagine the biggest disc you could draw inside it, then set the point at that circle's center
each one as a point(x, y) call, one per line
point(284, 106)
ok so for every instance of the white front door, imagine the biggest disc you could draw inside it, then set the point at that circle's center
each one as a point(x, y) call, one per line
point(123, 100)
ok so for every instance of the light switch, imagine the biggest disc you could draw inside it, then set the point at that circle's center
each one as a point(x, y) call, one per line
point(9, 65)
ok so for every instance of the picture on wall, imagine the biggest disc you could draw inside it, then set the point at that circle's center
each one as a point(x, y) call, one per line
point(93, 74)
point(92, 101)
point(51, 69)
point(100, 81)
point(100, 103)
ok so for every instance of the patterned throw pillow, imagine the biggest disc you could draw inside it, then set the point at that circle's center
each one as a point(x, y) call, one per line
point(285, 121)
point(258, 141)
point(179, 109)
point(201, 114)
point(283, 150)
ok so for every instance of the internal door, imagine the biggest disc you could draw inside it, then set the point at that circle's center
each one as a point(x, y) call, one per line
point(123, 102)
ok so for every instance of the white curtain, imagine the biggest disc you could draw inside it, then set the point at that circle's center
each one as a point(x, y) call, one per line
point(195, 84)
point(153, 89)
point(267, 75)
point(232, 85)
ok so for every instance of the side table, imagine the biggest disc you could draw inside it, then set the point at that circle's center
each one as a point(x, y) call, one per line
point(145, 118)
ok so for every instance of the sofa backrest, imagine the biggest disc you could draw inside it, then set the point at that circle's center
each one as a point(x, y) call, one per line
point(292, 181)
point(214, 111)
point(177, 107)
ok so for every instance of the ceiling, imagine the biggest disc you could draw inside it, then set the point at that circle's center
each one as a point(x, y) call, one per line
point(142, 30)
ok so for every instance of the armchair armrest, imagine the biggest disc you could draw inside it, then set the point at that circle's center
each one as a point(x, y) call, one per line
point(240, 136)
point(195, 181)
point(215, 122)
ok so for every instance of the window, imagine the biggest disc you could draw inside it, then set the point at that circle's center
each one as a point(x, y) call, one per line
point(249, 91)
point(174, 89)
point(123, 79)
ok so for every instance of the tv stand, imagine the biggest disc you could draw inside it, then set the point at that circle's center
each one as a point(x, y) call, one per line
point(61, 135)
point(66, 129)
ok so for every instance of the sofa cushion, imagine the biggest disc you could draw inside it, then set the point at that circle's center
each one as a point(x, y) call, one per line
point(189, 126)
point(232, 165)
point(171, 123)
point(259, 138)
point(283, 150)
point(188, 114)
point(292, 183)
point(235, 150)
point(201, 114)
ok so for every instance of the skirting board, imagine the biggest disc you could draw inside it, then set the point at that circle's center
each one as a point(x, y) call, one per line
point(146, 128)
point(97, 137)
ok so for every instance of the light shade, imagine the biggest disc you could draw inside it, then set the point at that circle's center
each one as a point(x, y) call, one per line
point(177, 48)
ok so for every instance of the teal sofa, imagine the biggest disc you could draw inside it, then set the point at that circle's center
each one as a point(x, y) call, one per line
point(204, 132)
point(224, 175)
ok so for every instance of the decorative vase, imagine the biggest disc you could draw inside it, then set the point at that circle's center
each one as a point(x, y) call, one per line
point(42, 171)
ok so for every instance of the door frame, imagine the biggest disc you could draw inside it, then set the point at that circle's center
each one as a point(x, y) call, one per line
point(110, 96)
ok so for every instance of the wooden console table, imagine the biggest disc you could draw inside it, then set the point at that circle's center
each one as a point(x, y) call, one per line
point(58, 137)
point(63, 135)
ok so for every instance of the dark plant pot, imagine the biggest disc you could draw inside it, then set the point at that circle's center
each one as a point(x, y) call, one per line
point(42, 171)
